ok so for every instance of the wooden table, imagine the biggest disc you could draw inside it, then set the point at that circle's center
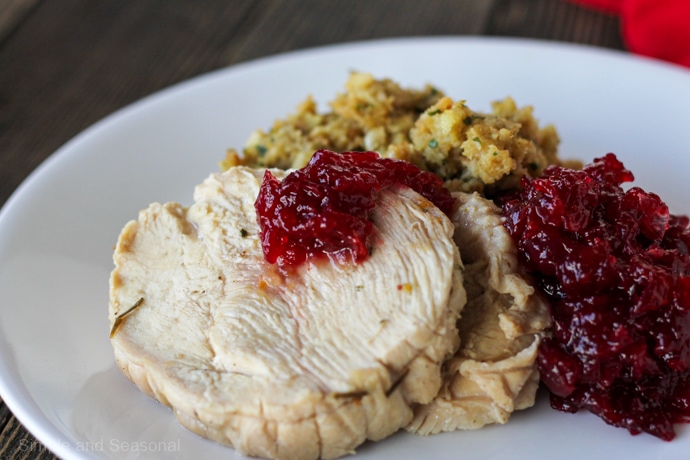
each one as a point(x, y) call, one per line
point(64, 64)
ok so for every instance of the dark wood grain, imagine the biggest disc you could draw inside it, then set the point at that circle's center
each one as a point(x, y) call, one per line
point(73, 62)
point(554, 20)
point(17, 444)
point(308, 23)
point(12, 13)
point(65, 64)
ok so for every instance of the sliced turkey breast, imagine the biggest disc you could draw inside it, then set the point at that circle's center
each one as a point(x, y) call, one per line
point(493, 373)
point(289, 367)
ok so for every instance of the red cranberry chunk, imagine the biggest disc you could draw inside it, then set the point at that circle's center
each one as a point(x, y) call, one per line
point(323, 208)
point(615, 265)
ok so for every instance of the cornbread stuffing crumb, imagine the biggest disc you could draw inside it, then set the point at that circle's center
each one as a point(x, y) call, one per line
point(470, 151)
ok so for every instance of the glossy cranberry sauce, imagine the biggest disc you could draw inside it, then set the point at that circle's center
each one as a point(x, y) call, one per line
point(615, 265)
point(323, 209)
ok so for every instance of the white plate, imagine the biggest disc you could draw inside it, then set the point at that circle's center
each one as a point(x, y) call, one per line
point(57, 373)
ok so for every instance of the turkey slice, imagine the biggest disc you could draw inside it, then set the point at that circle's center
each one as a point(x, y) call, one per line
point(289, 367)
point(493, 373)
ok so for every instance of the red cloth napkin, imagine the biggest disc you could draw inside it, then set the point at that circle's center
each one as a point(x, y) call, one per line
point(656, 28)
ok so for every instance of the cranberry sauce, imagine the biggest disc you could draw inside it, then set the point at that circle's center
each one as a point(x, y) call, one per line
point(615, 266)
point(323, 208)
